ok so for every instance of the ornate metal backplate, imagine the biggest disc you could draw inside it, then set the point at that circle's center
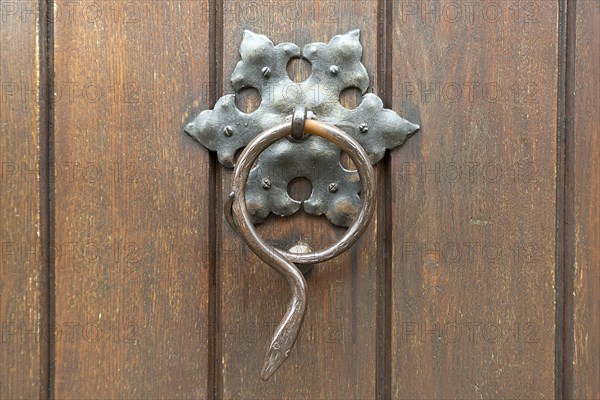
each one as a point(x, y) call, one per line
point(335, 67)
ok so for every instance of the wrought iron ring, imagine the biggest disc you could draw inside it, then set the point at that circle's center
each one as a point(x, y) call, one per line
point(367, 132)
point(328, 132)
point(282, 261)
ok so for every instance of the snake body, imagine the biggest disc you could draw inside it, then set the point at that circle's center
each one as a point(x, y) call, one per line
point(289, 327)
point(283, 261)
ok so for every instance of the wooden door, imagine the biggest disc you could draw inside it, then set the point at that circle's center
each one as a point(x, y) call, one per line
point(477, 278)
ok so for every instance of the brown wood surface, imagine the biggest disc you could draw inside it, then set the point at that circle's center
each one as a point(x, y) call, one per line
point(478, 277)
point(473, 201)
point(23, 257)
point(334, 356)
point(585, 228)
point(132, 277)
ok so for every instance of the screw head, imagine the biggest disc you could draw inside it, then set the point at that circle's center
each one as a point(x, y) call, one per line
point(334, 69)
point(266, 184)
point(333, 187)
point(266, 71)
point(228, 131)
point(364, 128)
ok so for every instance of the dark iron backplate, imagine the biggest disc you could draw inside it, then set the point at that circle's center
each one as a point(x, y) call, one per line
point(335, 67)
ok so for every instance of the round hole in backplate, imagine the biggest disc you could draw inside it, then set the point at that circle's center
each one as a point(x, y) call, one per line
point(299, 69)
point(247, 100)
point(346, 162)
point(299, 189)
point(350, 98)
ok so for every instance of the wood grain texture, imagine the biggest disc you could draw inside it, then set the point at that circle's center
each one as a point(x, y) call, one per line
point(585, 228)
point(23, 259)
point(473, 202)
point(334, 356)
point(131, 200)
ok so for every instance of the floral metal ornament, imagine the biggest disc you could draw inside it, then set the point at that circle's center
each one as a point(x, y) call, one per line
point(335, 67)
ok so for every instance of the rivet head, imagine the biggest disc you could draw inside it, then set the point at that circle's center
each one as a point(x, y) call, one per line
point(266, 184)
point(334, 69)
point(333, 187)
point(266, 71)
point(228, 131)
point(364, 128)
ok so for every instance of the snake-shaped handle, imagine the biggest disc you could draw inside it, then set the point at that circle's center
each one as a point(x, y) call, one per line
point(283, 261)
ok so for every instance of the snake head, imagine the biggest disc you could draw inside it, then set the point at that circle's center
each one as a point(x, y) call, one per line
point(276, 355)
point(286, 334)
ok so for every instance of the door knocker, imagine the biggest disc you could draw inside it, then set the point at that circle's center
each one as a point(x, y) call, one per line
point(299, 130)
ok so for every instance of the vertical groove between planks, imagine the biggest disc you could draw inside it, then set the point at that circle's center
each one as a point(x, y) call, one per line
point(389, 243)
point(216, 84)
point(388, 210)
point(565, 187)
point(46, 175)
point(560, 176)
point(380, 269)
point(214, 353)
point(384, 223)
point(212, 236)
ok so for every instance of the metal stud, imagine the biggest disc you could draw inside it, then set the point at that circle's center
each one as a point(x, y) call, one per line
point(266, 184)
point(266, 71)
point(333, 187)
point(364, 128)
point(302, 248)
point(228, 131)
point(334, 69)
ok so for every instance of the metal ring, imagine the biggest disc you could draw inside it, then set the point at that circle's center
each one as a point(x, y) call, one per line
point(242, 170)
point(298, 121)
point(287, 330)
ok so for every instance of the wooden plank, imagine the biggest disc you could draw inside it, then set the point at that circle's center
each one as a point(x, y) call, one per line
point(23, 261)
point(585, 228)
point(334, 356)
point(473, 202)
point(131, 200)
